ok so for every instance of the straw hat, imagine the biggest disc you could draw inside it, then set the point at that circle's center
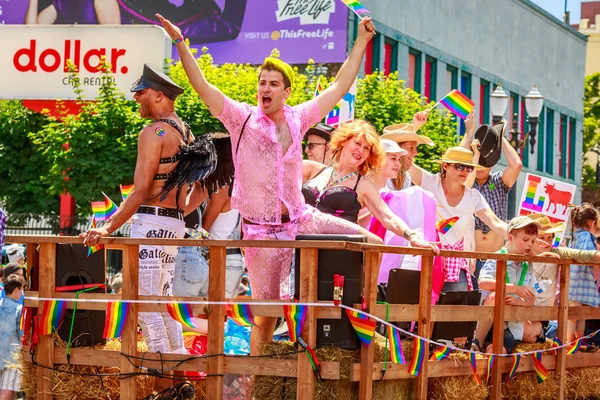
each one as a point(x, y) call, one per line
point(547, 225)
point(400, 133)
point(458, 155)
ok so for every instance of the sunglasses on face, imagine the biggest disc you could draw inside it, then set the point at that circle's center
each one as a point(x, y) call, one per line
point(463, 167)
point(310, 145)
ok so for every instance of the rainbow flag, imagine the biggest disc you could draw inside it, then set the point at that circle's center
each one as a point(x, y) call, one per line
point(445, 225)
point(126, 190)
point(116, 314)
point(356, 7)
point(473, 364)
point(555, 344)
point(459, 104)
point(516, 359)
point(319, 88)
point(333, 118)
point(540, 371)
point(199, 233)
point(22, 319)
point(490, 365)
point(103, 210)
point(240, 314)
point(396, 353)
point(295, 316)
point(574, 347)
point(182, 313)
point(364, 327)
point(441, 353)
point(50, 315)
point(418, 357)
point(98, 247)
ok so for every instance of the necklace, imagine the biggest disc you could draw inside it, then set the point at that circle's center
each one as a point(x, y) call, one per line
point(337, 181)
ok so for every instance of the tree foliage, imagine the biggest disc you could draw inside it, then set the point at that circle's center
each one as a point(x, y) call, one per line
point(591, 121)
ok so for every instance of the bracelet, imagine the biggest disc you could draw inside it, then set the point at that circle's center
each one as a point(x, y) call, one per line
point(181, 39)
point(408, 233)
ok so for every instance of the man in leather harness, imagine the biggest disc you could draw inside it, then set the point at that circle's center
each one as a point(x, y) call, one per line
point(154, 216)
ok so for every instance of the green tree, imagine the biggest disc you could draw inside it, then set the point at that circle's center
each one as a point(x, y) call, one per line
point(591, 121)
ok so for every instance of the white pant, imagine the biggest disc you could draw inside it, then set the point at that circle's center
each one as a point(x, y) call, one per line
point(161, 332)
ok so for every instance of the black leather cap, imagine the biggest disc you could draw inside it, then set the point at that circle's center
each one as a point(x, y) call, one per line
point(321, 130)
point(157, 81)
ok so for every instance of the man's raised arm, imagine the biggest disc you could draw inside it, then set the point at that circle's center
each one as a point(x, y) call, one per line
point(349, 70)
point(210, 95)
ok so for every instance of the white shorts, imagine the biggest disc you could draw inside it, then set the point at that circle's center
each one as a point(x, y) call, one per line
point(10, 379)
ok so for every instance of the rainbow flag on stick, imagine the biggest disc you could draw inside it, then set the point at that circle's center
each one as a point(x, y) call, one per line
point(295, 316)
point(241, 314)
point(126, 190)
point(98, 247)
point(319, 87)
point(418, 357)
point(441, 353)
point(50, 315)
point(103, 210)
point(356, 7)
point(459, 104)
point(182, 313)
point(364, 327)
point(445, 225)
point(396, 353)
point(540, 371)
point(116, 314)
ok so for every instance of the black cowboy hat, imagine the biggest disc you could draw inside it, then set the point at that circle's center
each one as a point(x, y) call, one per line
point(157, 81)
point(490, 139)
point(321, 130)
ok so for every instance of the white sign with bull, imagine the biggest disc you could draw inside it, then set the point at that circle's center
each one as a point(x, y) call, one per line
point(549, 197)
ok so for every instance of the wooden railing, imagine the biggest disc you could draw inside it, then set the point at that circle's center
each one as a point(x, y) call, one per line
point(365, 372)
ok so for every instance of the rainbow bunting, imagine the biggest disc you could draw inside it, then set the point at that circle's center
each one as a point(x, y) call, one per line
point(364, 327)
point(540, 370)
point(459, 104)
point(441, 353)
point(103, 210)
point(22, 319)
point(240, 314)
point(418, 357)
point(199, 233)
point(445, 225)
point(182, 313)
point(98, 247)
point(396, 353)
point(126, 190)
point(50, 316)
point(473, 363)
point(555, 344)
point(574, 347)
point(116, 314)
point(490, 365)
point(319, 88)
point(516, 359)
point(295, 316)
point(356, 7)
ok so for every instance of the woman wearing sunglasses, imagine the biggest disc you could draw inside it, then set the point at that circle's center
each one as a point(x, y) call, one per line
point(456, 205)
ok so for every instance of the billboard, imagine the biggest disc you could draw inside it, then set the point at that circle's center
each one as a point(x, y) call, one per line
point(234, 31)
point(34, 58)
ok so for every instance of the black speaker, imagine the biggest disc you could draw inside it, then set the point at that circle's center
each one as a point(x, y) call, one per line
point(336, 332)
point(74, 267)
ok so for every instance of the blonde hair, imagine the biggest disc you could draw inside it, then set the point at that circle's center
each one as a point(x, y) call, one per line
point(362, 129)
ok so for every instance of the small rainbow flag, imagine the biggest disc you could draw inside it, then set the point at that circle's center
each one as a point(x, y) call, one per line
point(182, 313)
point(22, 319)
point(333, 118)
point(396, 353)
point(103, 210)
point(516, 359)
point(240, 314)
point(473, 364)
point(459, 104)
point(555, 344)
point(574, 347)
point(540, 371)
point(319, 87)
point(116, 314)
point(126, 190)
point(490, 365)
point(356, 7)
point(364, 327)
point(441, 353)
point(199, 233)
point(50, 316)
point(445, 225)
point(295, 316)
point(418, 357)
point(98, 247)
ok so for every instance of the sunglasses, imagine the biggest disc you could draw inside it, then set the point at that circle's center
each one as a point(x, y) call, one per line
point(310, 145)
point(598, 240)
point(463, 167)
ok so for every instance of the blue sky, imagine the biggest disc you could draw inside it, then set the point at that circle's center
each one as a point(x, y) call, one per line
point(557, 8)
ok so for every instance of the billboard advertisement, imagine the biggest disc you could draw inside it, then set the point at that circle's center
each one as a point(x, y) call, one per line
point(234, 31)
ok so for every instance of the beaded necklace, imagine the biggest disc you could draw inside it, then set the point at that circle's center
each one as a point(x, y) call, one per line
point(336, 181)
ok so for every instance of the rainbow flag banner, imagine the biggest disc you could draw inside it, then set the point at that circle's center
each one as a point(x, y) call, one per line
point(490, 365)
point(182, 313)
point(396, 353)
point(103, 210)
point(295, 316)
point(356, 7)
point(199, 233)
point(515, 360)
point(574, 347)
point(126, 190)
point(50, 315)
point(445, 225)
point(363, 325)
point(241, 314)
point(418, 357)
point(555, 344)
point(116, 314)
point(540, 371)
point(459, 104)
point(98, 247)
point(441, 353)
point(473, 364)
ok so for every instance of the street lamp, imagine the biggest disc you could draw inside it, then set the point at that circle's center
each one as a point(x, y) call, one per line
point(597, 151)
point(533, 104)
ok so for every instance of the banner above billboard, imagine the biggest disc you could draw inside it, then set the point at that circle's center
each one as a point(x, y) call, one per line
point(234, 31)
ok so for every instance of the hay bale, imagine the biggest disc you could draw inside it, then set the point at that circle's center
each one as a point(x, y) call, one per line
point(457, 387)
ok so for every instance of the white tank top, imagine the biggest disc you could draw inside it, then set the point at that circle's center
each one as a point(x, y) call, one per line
point(225, 224)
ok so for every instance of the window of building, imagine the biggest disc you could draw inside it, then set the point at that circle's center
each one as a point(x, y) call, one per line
point(429, 88)
point(465, 88)
point(414, 70)
point(572, 143)
point(550, 141)
point(484, 102)
point(563, 143)
point(390, 56)
point(541, 139)
point(451, 79)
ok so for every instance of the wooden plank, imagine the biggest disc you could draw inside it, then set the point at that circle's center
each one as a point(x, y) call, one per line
point(498, 337)
point(563, 321)
point(367, 353)
point(129, 291)
point(424, 330)
point(45, 348)
point(309, 272)
point(216, 327)
point(273, 367)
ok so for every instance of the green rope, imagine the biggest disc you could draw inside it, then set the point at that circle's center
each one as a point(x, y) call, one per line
point(68, 352)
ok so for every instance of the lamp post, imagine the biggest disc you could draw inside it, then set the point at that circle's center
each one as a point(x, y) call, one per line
point(533, 104)
point(597, 151)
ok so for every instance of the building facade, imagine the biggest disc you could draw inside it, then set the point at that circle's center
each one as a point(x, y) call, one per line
point(437, 46)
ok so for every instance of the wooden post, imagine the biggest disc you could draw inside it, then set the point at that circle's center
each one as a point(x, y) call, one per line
point(309, 272)
point(563, 321)
point(498, 338)
point(216, 322)
point(129, 291)
point(424, 321)
point(45, 348)
point(367, 353)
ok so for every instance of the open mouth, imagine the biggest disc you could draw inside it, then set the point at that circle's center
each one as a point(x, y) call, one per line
point(357, 157)
point(266, 101)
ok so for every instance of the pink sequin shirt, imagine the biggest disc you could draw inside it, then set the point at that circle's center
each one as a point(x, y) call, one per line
point(264, 176)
